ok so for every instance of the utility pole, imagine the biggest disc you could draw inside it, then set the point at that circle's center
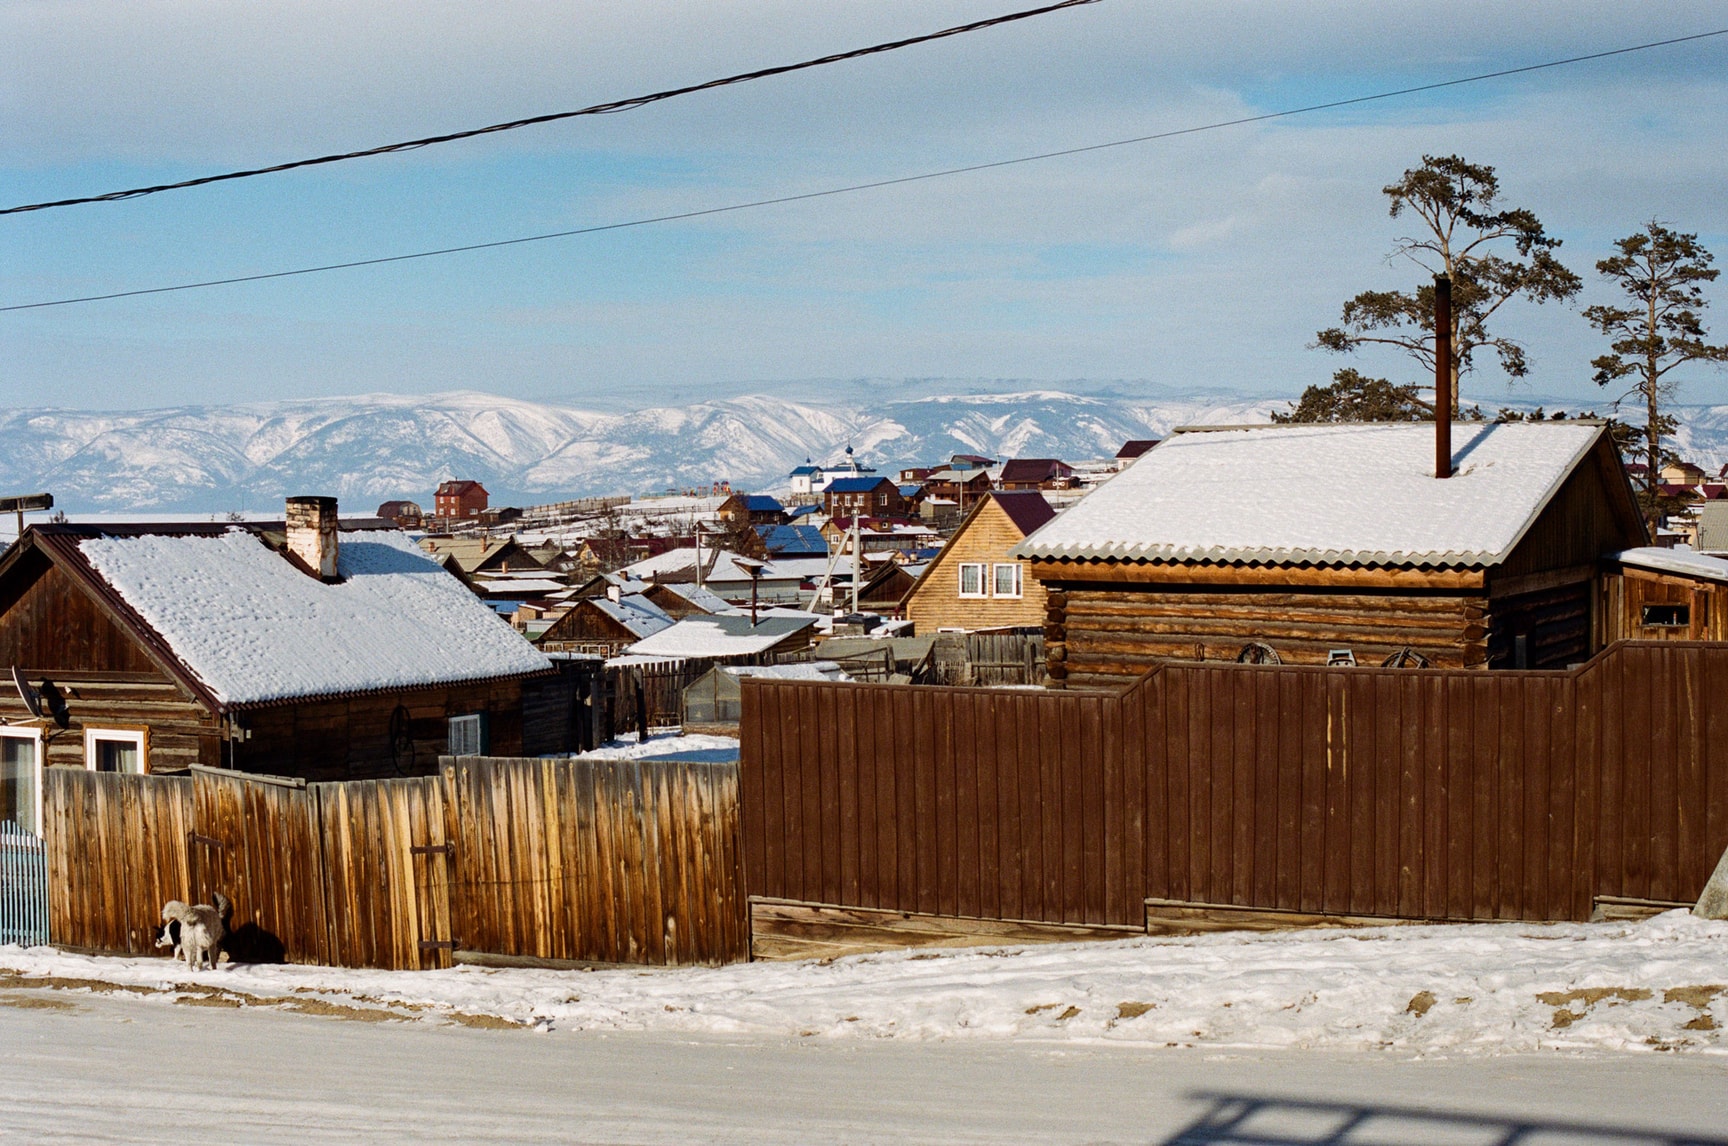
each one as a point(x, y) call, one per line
point(22, 502)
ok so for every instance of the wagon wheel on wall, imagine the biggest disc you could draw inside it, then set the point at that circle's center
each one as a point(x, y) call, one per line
point(401, 742)
point(1405, 657)
point(1256, 653)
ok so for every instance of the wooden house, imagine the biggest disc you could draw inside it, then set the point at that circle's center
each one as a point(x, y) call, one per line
point(290, 648)
point(742, 510)
point(402, 514)
point(1649, 594)
point(964, 487)
point(1338, 544)
point(477, 556)
point(976, 582)
point(678, 601)
point(603, 626)
point(1036, 473)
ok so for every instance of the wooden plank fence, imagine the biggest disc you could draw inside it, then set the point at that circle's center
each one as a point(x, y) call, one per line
point(586, 861)
point(1401, 793)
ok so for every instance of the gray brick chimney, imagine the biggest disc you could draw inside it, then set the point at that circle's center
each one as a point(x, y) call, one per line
point(312, 534)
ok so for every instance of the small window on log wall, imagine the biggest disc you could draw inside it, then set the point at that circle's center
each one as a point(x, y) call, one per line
point(1667, 616)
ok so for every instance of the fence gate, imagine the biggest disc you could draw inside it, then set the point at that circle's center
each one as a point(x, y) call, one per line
point(23, 887)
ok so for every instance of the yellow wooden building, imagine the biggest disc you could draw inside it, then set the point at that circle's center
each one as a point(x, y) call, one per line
point(975, 583)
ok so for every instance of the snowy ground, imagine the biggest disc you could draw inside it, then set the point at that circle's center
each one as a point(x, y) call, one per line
point(665, 746)
point(1659, 985)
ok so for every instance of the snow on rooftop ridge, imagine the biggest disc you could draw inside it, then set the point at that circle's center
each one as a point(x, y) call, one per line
point(719, 637)
point(253, 628)
point(1323, 494)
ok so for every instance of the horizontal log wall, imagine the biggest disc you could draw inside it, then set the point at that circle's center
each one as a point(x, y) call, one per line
point(1111, 636)
point(1426, 794)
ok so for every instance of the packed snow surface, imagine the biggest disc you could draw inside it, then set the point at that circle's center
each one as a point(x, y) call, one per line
point(1454, 989)
point(253, 627)
point(1681, 560)
point(1323, 493)
point(717, 749)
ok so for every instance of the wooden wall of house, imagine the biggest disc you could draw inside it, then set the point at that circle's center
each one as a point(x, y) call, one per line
point(1590, 516)
point(1624, 593)
point(52, 625)
point(50, 628)
point(350, 739)
point(1554, 623)
point(1105, 635)
point(936, 603)
point(586, 629)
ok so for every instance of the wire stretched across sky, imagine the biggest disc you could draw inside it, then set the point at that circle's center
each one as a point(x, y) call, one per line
point(595, 109)
point(873, 184)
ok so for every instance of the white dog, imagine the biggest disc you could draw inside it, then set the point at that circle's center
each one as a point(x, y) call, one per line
point(201, 929)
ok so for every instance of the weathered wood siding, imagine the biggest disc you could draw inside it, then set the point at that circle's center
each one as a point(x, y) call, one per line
point(349, 739)
point(1115, 633)
point(615, 861)
point(53, 626)
point(1424, 794)
point(608, 861)
point(936, 603)
point(1627, 590)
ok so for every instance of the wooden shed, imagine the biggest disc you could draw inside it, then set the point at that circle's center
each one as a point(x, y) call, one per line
point(602, 626)
point(1321, 544)
point(1650, 594)
point(975, 582)
point(289, 648)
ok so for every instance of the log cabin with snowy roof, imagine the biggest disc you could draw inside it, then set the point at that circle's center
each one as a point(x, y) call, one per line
point(1316, 544)
point(296, 648)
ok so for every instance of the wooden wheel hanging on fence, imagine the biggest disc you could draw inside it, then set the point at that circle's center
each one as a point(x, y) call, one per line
point(1405, 658)
point(1256, 653)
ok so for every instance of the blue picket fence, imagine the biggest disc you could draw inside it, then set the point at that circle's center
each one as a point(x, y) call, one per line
point(23, 887)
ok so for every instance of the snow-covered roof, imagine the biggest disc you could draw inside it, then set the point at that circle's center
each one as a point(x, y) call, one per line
point(1686, 562)
point(253, 628)
point(1330, 494)
point(717, 638)
point(642, 617)
point(514, 586)
point(700, 597)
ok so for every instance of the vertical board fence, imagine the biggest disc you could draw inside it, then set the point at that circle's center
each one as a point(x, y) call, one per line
point(590, 861)
point(23, 887)
point(1421, 794)
point(623, 861)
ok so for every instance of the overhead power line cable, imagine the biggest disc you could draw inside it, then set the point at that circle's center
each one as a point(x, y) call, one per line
point(872, 185)
point(595, 109)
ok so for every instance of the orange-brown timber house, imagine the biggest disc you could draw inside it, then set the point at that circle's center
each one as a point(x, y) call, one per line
point(1312, 544)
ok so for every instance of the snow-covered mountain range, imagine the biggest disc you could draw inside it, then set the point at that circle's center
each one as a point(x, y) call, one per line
point(374, 447)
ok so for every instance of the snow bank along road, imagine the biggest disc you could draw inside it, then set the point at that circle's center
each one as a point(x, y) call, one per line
point(1658, 985)
point(114, 1067)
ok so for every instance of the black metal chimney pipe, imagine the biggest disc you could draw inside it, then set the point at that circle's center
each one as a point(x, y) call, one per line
point(1442, 376)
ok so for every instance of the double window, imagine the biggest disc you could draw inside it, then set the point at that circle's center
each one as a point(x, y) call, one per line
point(21, 778)
point(1000, 580)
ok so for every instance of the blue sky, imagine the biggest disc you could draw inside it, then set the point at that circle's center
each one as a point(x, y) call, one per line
point(1202, 262)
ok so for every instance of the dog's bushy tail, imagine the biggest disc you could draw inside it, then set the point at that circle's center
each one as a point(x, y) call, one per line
point(223, 907)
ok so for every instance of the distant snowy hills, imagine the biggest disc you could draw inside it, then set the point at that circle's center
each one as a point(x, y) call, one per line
point(374, 447)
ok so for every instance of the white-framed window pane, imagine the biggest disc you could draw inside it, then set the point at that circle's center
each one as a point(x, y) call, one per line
point(114, 750)
point(1008, 580)
point(464, 737)
point(971, 580)
point(20, 782)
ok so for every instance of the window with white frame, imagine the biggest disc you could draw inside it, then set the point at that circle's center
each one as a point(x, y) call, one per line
point(21, 778)
point(1007, 582)
point(971, 580)
point(117, 750)
point(468, 734)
